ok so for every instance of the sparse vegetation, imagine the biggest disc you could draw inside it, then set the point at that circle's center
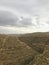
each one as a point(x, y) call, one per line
point(29, 49)
point(14, 52)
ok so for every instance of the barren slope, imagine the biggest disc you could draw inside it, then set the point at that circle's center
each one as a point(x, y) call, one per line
point(14, 52)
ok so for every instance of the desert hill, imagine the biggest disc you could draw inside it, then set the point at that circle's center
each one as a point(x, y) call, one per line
point(14, 52)
point(36, 40)
point(40, 43)
point(25, 49)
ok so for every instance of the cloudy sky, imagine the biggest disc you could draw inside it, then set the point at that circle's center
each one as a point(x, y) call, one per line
point(24, 16)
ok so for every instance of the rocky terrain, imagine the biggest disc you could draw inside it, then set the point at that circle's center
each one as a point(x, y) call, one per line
point(27, 49)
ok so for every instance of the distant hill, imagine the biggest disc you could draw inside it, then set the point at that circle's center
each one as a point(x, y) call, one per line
point(36, 40)
point(40, 43)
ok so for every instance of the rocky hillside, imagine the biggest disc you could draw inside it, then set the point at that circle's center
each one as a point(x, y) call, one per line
point(15, 52)
point(40, 43)
point(28, 49)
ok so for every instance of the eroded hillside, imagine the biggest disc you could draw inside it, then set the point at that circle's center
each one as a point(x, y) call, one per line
point(14, 52)
point(29, 49)
point(40, 43)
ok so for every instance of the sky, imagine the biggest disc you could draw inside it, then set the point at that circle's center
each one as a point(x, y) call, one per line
point(24, 16)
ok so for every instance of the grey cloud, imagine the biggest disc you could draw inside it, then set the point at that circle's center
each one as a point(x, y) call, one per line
point(25, 22)
point(26, 6)
point(30, 7)
point(8, 19)
point(47, 22)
